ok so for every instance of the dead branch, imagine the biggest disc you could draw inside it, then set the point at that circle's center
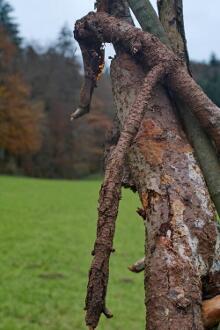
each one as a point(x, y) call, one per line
point(109, 201)
point(93, 59)
point(138, 266)
point(149, 50)
point(211, 312)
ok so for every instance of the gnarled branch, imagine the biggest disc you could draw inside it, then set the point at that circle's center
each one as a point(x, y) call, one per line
point(149, 50)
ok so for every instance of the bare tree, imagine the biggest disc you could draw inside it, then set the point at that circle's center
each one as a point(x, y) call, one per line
point(152, 85)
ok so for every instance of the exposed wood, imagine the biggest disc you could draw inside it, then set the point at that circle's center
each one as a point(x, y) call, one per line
point(203, 147)
point(173, 11)
point(179, 246)
point(211, 312)
point(93, 60)
point(138, 266)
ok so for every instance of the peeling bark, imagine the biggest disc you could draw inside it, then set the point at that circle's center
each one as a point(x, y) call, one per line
point(168, 9)
point(180, 218)
point(203, 147)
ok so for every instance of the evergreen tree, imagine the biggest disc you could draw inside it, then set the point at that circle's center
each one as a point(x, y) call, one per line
point(8, 23)
point(65, 44)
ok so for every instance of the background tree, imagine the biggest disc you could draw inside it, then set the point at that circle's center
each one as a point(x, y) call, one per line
point(20, 120)
point(7, 21)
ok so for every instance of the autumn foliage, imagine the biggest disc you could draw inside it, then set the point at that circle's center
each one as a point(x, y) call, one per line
point(39, 90)
point(20, 120)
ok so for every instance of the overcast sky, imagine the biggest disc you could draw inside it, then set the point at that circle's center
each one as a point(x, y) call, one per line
point(41, 20)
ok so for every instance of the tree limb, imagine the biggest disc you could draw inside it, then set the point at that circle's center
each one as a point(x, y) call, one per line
point(171, 17)
point(109, 201)
point(148, 19)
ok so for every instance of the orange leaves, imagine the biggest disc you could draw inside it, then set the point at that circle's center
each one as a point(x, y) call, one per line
point(7, 50)
point(20, 120)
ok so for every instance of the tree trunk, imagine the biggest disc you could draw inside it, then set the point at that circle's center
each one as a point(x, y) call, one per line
point(170, 10)
point(180, 219)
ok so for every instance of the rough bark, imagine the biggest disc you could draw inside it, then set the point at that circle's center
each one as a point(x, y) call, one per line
point(171, 16)
point(202, 145)
point(102, 6)
point(180, 219)
point(93, 60)
point(149, 50)
point(172, 11)
point(109, 201)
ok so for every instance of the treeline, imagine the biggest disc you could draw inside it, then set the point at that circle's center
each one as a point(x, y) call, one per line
point(208, 76)
point(39, 89)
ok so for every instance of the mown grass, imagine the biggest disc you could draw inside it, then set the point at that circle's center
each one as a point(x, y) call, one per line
point(47, 230)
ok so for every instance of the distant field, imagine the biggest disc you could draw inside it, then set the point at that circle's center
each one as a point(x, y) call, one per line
point(47, 230)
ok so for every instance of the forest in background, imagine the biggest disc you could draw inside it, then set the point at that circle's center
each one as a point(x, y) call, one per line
point(39, 89)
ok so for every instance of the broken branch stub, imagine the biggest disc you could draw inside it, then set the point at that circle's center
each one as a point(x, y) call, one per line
point(138, 266)
point(211, 312)
point(109, 201)
point(93, 59)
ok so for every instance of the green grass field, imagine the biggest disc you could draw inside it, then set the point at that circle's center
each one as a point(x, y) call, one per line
point(47, 230)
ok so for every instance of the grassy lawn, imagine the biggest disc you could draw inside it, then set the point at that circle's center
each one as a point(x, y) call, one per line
point(47, 230)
